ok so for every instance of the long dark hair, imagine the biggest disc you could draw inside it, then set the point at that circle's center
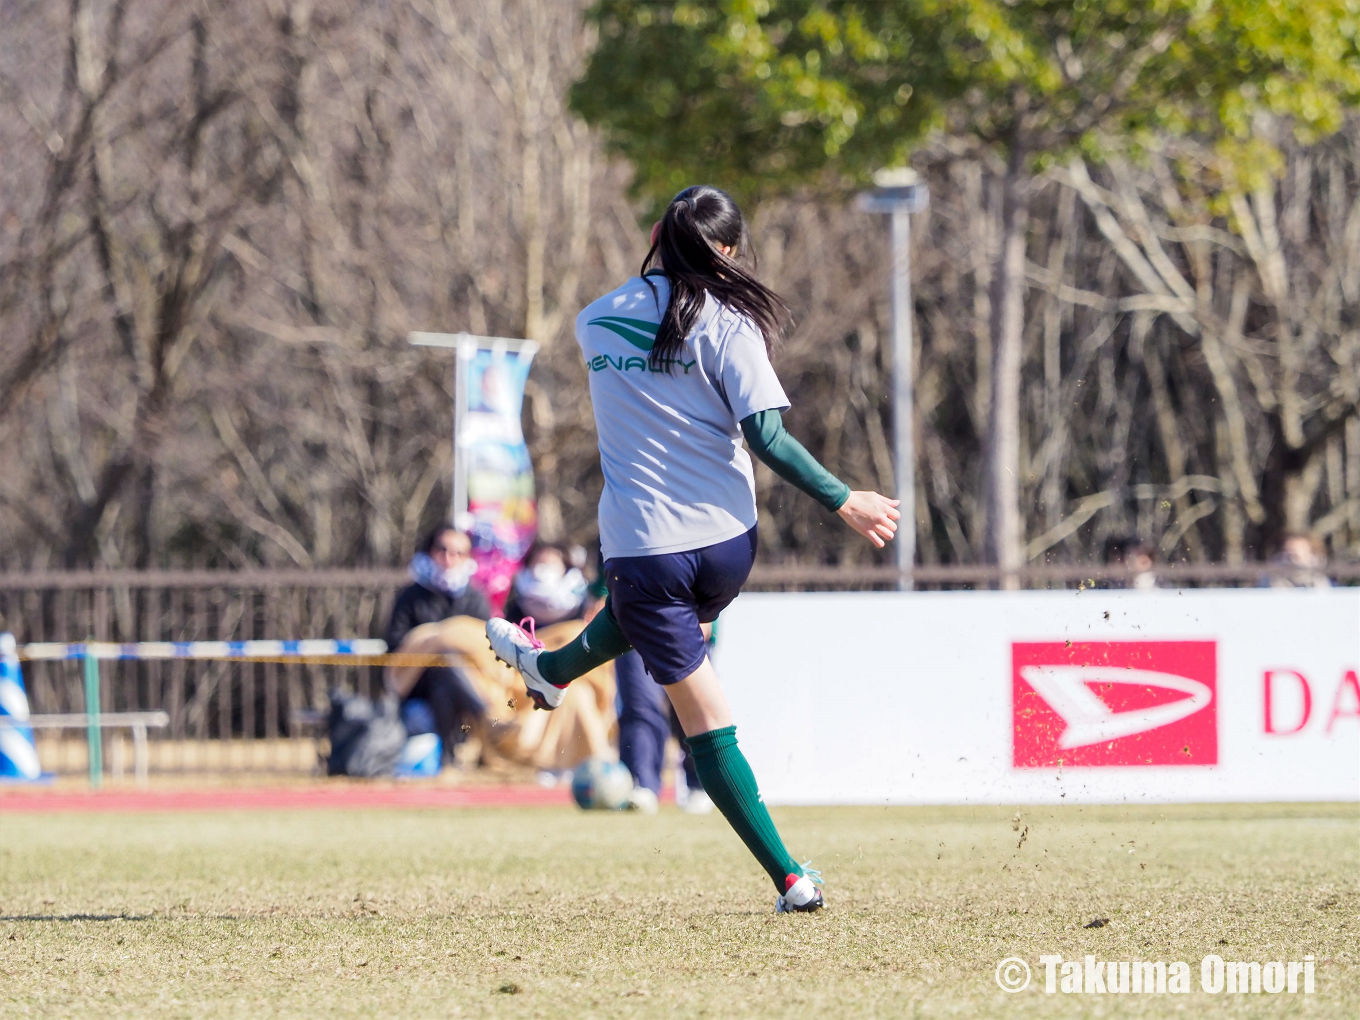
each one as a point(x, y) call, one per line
point(697, 221)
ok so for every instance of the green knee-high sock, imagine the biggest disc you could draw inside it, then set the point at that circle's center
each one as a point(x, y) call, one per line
point(728, 779)
point(601, 641)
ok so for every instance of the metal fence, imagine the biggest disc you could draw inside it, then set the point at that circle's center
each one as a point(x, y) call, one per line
point(970, 577)
point(228, 715)
point(205, 700)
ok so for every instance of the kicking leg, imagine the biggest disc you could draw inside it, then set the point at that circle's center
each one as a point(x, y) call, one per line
point(601, 642)
point(546, 674)
point(727, 778)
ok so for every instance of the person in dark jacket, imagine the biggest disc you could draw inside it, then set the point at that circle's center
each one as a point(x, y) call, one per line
point(442, 570)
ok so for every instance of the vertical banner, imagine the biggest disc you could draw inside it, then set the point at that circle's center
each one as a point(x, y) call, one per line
point(494, 462)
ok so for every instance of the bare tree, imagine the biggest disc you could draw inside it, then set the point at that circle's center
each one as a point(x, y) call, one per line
point(218, 223)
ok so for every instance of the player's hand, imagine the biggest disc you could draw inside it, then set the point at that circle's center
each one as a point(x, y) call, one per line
point(874, 516)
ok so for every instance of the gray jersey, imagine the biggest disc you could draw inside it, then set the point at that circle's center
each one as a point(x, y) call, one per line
point(676, 476)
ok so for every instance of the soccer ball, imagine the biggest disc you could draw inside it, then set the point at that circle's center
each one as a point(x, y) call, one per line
point(601, 785)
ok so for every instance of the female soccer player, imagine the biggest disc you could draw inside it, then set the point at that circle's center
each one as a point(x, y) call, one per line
point(679, 365)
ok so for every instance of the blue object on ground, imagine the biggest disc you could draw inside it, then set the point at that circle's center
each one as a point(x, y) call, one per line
point(422, 756)
point(18, 753)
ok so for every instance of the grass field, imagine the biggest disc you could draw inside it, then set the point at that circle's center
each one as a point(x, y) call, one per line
point(546, 912)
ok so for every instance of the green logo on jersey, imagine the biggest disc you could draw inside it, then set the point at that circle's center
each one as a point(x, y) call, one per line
point(621, 364)
point(638, 332)
point(642, 335)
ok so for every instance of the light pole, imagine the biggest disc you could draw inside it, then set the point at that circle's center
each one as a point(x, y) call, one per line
point(900, 192)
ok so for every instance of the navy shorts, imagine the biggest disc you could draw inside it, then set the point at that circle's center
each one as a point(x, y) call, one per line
point(659, 601)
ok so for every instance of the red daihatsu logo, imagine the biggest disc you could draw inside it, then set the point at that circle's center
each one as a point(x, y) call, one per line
point(1114, 703)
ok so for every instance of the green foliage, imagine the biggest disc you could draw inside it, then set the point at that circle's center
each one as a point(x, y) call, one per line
point(764, 96)
point(755, 96)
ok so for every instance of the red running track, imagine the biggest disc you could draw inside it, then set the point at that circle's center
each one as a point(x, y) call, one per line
point(345, 797)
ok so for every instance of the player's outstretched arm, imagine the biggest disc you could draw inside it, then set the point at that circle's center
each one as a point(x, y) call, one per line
point(872, 515)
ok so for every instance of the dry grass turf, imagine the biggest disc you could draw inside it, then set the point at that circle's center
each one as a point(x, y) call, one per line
point(556, 913)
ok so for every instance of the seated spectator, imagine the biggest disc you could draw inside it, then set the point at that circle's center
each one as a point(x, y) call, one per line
point(443, 614)
point(1307, 555)
point(554, 742)
point(547, 587)
point(442, 570)
point(1131, 555)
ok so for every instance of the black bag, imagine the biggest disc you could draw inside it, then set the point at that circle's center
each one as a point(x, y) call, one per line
point(366, 737)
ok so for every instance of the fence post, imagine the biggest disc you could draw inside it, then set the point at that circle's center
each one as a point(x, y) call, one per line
point(139, 755)
point(94, 735)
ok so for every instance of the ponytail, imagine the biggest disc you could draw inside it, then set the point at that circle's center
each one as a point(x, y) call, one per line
point(697, 221)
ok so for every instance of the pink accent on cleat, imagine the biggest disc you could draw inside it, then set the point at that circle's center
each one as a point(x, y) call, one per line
point(529, 632)
point(801, 895)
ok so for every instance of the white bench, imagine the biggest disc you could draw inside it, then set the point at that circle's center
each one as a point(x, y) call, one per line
point(137, 722)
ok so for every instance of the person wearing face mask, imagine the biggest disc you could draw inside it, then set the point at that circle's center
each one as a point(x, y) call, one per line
point(547, 587)
point(442, 572)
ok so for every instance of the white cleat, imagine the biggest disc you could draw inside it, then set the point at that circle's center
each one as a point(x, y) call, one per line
point(519, 649)
point(801, 895)
point(697, 803)
point(642, 800)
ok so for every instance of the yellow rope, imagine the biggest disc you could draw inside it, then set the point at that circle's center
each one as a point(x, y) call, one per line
point(398, 659)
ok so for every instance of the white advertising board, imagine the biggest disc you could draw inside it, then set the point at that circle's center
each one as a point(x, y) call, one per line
point(1047, 697)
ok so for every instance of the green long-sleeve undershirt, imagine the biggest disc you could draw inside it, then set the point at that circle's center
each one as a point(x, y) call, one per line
point(603, 639)
point(767, 438)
